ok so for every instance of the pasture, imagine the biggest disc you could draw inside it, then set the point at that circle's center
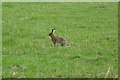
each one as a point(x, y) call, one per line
point(90, 28)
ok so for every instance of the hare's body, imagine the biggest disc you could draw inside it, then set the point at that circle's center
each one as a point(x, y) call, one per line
point(56, 39)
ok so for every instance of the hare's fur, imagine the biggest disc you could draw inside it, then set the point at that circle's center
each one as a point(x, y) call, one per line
point(56, 39)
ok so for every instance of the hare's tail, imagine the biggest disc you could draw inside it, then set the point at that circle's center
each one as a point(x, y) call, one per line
point(67, 45)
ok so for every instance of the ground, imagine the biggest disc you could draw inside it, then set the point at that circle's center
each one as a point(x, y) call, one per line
point(90, 28)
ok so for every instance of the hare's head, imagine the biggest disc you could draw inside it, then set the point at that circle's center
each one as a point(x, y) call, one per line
point(52, 33)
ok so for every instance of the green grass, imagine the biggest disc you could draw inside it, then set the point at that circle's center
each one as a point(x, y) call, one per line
point(90, 28)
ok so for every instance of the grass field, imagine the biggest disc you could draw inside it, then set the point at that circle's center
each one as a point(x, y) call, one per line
point(90, 28)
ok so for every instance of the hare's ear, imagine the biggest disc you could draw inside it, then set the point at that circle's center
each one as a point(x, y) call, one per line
point(53, 30)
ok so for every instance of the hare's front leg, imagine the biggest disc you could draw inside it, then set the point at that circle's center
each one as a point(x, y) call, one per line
point(54, 43)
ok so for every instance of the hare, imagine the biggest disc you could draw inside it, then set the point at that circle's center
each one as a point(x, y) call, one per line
point(56, 39)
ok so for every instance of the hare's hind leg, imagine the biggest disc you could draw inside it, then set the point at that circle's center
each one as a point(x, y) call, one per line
point(63, 44)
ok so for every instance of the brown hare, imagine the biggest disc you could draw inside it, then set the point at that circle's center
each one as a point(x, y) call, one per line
point(56, 39)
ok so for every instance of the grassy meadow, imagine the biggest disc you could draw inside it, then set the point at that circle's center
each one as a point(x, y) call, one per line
point(90, 28)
